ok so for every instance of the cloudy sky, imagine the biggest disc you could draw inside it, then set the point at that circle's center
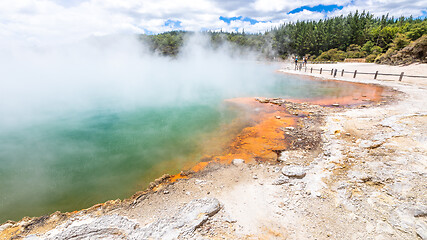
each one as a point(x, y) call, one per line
point(40, 21)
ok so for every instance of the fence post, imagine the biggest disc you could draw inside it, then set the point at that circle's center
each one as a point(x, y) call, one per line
point(320, 70)
point(332, 71)
point(376, 74)
point(335, 73)
point(311, 70)
point(355, 72)
point(342, 73)
point(401, 76)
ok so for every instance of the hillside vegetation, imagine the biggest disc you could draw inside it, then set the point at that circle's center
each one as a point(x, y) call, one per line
point(414, 52)
point(357, 35)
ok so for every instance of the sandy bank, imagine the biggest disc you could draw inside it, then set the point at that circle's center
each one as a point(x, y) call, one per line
point(349, 173)
point(413, 69)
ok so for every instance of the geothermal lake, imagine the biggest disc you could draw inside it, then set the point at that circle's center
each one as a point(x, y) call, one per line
point(64, 155)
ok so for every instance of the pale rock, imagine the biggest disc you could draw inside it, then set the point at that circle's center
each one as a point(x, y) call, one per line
point(283, 157)
point(294, 171)
point(282, 179)
point(237, 162)
point(181, 225)
point(185, 222)
point(200, 182)
point(421, 229)
point(5, 226)
point(402, 219)
point(105, 227)
point(230, 220)
point(370, 144)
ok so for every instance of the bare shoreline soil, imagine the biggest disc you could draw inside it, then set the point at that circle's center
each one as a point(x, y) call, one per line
point(350, 173)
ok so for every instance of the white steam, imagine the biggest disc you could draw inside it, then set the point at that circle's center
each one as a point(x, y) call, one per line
point(37, 83)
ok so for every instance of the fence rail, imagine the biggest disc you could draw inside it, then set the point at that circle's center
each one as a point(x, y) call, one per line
point(322, 62)
point(355, 72)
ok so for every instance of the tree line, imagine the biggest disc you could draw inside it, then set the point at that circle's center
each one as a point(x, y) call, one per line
point(357, 35)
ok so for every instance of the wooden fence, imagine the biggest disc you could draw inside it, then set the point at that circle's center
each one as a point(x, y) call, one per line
point(334, 72)
point(322, 62)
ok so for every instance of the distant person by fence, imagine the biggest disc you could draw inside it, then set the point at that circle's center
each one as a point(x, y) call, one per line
point(296, 63)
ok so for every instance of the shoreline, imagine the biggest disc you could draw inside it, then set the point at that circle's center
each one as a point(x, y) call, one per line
point(333, 180)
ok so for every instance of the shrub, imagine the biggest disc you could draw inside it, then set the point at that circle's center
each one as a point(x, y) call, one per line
point(332, 55)
point(417, 30)
point(376, 50)
point(367, 47)
point(400, 41)
point(385, 57)
point(371, 58)
point(354, 51)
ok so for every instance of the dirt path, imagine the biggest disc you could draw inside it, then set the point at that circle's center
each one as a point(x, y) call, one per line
point(357, 173)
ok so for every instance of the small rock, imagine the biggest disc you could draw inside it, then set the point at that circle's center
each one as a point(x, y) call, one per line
point(283, 157)
point(255, 177)
point(278, 117)
point(335, 105)
point(294, 171)
point(230, 220)
point(370, 144)
point(289, 128)
point(5, 226)
point(237, 162)
point(166, 192)
point(200, 182)
point(420, 211)
point(266, 100)
point(421, 229)
point(282, 179)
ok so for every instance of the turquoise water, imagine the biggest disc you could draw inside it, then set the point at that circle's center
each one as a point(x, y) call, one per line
point(78, 161)
point(76, 158)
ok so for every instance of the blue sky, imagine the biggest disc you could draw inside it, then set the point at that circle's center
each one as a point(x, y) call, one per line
point(240, 18)
point(41, 21)
point(175, 25)
point(317, 8)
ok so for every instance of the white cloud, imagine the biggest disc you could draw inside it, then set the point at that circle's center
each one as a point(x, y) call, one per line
point(46, 21)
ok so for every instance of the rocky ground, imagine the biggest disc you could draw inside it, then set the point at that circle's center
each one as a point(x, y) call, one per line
point(350, 173)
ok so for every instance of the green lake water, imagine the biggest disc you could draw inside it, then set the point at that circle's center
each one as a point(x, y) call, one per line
point(79, 158)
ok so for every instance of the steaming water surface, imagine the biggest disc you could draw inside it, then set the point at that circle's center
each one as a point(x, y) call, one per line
point(71, 136)
point(80, 159)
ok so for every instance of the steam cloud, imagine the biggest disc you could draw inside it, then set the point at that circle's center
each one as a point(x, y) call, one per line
point(115, 72)
point(50, 96)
